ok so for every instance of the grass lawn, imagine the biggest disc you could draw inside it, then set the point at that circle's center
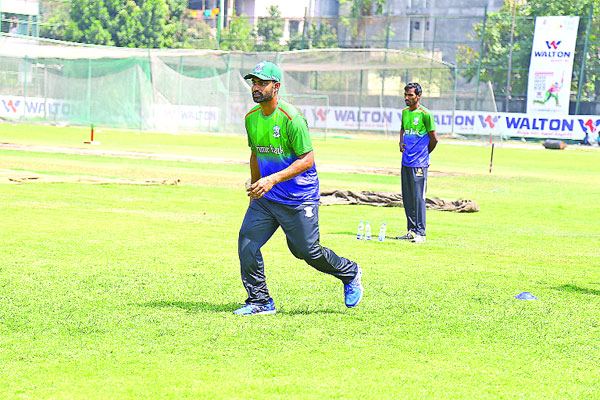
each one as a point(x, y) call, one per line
point(127, 291)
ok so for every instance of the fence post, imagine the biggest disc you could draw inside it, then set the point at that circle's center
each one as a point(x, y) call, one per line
point(454, 98)
point(25, 88)
point(304, 27)
point(228, 94)
point(584, 56)
point(360, 97)
point(389, 23)
point(387, 46)
point(482, 49)
point(179, 89)
point(45, 91)
point(150, 116)
point(510, 51)
point(89, 90)
point(219, 23)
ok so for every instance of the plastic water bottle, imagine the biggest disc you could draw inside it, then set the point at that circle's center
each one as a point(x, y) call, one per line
point(367, 231)
point(381, 236)
point(361, 231)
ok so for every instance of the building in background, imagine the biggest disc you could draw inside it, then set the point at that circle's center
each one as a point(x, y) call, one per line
point(20, 16)
point(437, 26)
point(293, 12)
point(206, 9)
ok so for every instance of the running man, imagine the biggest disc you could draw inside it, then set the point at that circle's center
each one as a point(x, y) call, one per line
point(552, 92)
point(284, 193)
point(417, 140)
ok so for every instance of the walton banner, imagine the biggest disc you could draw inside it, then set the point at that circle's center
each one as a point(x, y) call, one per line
point(172, 118)
point(551, 65)
point(568, 127)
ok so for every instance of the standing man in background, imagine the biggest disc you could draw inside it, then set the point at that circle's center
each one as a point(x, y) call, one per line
point(284, 191)
point(417, 140)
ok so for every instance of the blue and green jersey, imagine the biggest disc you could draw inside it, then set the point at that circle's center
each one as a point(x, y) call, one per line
point(417, 124)
point(277, 141)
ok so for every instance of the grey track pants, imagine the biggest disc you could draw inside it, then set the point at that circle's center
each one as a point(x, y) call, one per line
point(301, 227)
point(414, 185)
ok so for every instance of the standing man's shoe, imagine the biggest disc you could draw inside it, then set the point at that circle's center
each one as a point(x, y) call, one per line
point(409, 236)
point(418, 239)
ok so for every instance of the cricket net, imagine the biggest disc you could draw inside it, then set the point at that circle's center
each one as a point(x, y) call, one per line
point(204, 90)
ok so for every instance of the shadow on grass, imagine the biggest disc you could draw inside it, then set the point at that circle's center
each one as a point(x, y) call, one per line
point(202, 306)
point(307, 312)
point(577, 289)
point(192, 305)
point(344, 233)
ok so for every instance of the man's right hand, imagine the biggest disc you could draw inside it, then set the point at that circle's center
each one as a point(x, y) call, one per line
point(402, 147)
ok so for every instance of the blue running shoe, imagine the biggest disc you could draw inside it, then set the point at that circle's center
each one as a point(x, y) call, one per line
point(354, 291)
point(255, 309)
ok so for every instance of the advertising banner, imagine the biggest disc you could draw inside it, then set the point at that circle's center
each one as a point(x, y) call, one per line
point(172, 118)
point(570, 127)
point(551, 65)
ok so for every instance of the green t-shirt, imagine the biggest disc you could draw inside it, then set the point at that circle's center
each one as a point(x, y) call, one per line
point(277, 141)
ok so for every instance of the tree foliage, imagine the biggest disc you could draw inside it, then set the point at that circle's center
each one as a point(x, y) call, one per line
point(357, 14)
point(494, 53)
point(199, 35)
point(316, 36)
point(270, 31)
point(54, 18)
point(125, 23)
point(239, 35)
point(364, 8)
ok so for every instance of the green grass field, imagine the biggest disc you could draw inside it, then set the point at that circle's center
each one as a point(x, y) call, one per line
point(127, 291)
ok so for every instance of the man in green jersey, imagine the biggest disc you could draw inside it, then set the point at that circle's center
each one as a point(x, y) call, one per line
point(417, 140)
point(284, 192)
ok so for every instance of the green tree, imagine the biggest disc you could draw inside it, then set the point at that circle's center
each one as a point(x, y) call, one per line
point(492, 59)
point(316, 36)
point(270, 31)
point(126, 23)
point(54, 17)
point(199, 35)
point(358, 14)
point(239, 35)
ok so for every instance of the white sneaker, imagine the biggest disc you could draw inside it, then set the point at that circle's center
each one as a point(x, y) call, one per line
point(408, 236)
point(418, 239)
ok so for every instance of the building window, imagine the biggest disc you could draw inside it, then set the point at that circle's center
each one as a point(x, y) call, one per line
point(417, 4)
point(416, 25)
point(294, 27)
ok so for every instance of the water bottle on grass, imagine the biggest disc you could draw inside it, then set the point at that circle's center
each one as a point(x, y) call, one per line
point(361, 231)
point(381, 236)
point(368, 231)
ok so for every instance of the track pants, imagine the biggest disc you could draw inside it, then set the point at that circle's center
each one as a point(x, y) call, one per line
point(301, 227)
point(414, 185)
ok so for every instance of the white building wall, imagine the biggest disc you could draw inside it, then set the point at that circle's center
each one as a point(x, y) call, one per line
point(292, 11)
point(24, 7)
point(289, 9)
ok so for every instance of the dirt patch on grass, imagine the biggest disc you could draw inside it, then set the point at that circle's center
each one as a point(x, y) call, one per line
point(15, 176)
point(347, 169)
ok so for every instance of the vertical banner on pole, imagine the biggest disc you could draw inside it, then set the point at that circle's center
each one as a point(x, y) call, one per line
point(551, 65)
